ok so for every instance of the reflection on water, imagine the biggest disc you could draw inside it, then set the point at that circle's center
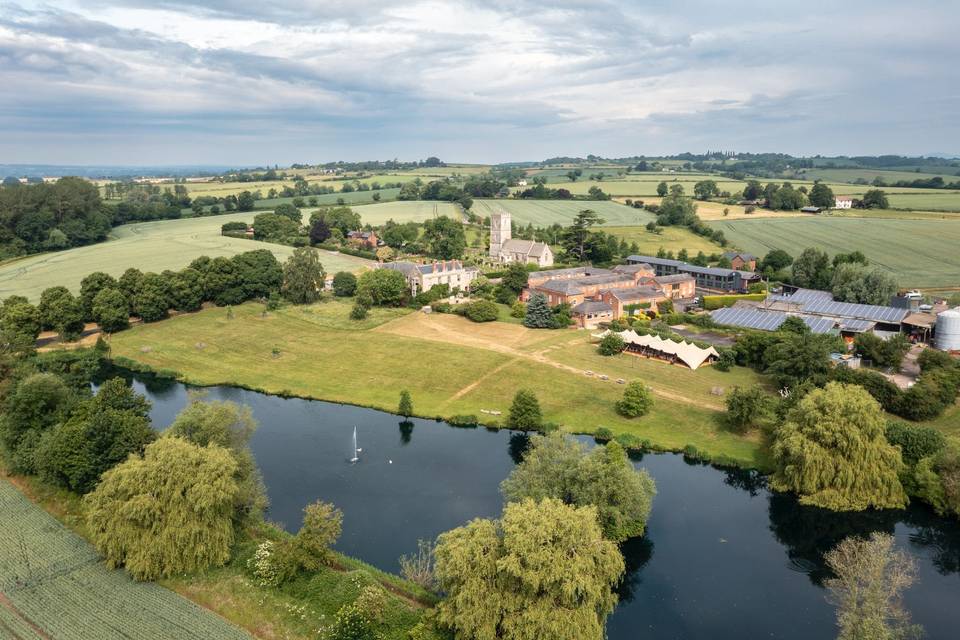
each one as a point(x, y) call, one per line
point(723, 558)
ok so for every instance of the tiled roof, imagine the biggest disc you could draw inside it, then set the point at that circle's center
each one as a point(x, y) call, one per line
point(589, 306)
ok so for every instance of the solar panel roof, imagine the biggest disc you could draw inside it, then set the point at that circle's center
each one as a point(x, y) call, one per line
point(767, 320)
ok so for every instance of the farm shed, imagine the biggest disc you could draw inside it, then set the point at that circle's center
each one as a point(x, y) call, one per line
point(663, 349)
point(766, 320)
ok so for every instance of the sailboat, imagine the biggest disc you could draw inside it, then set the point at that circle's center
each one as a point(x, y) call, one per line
point(356, 450)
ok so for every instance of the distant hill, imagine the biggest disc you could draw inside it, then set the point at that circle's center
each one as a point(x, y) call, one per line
point(109, 171)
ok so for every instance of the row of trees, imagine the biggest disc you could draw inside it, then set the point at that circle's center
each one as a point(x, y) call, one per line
point(110, 302)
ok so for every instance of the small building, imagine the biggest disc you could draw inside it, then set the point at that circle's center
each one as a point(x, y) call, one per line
point(423, 277)
point(741, 261)
point(633, 300)
point(363, 239)
point(589, 314)
point(843, 202)
point(810, 209)
point(522, 182)
point(679, 286)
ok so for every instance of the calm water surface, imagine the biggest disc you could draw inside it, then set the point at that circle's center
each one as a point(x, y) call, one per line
point(723, 558)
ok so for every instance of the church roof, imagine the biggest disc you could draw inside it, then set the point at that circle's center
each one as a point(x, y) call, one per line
point(525, 247)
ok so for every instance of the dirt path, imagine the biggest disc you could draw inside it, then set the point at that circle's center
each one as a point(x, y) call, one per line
point(436, 328)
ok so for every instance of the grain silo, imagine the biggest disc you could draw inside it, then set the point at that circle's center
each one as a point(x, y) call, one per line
point(948, 330)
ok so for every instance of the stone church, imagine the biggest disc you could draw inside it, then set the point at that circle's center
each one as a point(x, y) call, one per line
point(505, 249)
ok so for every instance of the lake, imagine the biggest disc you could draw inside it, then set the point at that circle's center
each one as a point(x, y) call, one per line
point(723, 557)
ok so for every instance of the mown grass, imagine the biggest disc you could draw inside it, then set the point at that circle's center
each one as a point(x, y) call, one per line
point(334, 360)
point(919, 253)
point(406, 211)
point(148, 246)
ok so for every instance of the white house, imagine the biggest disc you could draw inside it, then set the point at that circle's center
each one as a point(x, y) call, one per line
point(506, 249)
point(521, 182)
point(843, 202)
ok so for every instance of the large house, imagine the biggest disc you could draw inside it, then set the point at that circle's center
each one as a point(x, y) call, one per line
point(600, 295)
point(710, 278)
point(423, 277)
point(506, 249)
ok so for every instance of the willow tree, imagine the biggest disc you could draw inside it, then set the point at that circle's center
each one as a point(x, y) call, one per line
point(867, 590)
point(228, 425)
point(832, 451)
point(542, 571)
point(562, 468)
point(166, 513)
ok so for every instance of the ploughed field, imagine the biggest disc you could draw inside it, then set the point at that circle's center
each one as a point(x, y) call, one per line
point(148, 246)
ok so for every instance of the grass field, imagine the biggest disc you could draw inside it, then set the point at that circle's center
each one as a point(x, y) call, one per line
point(54, 585)
point(543, 213)
point(406, 211)
point(669, 238)
point(450, 365)
point(352, 198)
point(920, 253)
point(148, 246)
point(851, 175)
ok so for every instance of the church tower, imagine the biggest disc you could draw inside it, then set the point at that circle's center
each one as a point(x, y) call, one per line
point(499, 232)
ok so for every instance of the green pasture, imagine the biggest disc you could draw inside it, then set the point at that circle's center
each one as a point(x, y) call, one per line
point(406, 211)
point(445, 377)
point(148, 246)
point(331, 199)
point(669, 238)
point(55, 585)
point(920, 253)
point(926, 199)
point(543, 213)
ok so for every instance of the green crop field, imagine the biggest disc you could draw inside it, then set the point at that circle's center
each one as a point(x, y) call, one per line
point(55, 586)
point(851, 175)
point(148, 246)
point(920, 253)
point(543, 213)
point(406, 211)
point(331, 199)
point(927, 199)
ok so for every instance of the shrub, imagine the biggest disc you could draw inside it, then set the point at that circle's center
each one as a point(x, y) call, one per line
point(611, 345)
point(518, 310)
point(351, 623)
point(915, 441)
point(263, 566)
point(603, 434)
point(637, 401)
point(463, 420)
point(747, 409)
point(359, 312)
point(481, 311)
point(418, 567)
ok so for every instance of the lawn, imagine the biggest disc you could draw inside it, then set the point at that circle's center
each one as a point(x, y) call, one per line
point(543, 213)
point(148, 246)
point(54, 585)
point(450, 365)
point(920, 253)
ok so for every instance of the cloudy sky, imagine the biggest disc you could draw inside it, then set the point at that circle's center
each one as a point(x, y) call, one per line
point(280, 81)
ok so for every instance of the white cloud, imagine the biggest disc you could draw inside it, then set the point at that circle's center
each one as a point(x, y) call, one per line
point(489, 81)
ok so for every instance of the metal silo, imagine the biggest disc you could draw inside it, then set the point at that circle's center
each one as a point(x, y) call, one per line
point(948, 330)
